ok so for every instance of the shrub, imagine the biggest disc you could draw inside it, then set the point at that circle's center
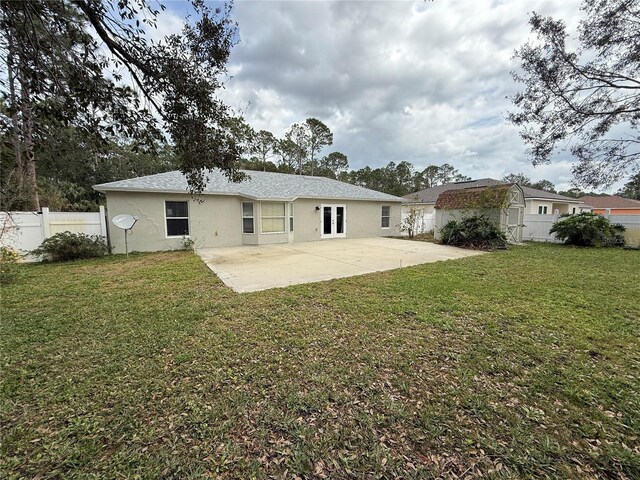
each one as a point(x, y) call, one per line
point(476, 231)
point(65, 246)
point(588, 230)
point(9, 259)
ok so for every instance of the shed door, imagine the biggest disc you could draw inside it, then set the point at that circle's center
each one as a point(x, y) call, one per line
point(515, 218)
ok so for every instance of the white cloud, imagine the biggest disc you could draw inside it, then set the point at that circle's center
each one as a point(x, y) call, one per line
point(420, 81)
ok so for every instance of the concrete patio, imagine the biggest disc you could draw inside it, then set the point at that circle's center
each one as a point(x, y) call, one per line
point(253, 268)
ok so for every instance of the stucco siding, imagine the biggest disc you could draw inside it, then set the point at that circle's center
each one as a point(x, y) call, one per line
point(363, 219)
point(214, 221)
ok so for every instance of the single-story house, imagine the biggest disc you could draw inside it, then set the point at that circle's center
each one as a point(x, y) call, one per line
point(536, 201)
point(504, 204)
point(612, 205)
point(265, 208)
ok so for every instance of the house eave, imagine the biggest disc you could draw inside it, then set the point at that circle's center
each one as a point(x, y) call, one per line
point(100, 189)
point(556, 200)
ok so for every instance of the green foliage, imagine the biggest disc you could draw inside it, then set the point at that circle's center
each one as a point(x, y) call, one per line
point(9, 259)
point(522, 180)
point(475, 231)
point(187, 243)
point(631, 189)
point(66, 62)
point(401, 178)
point(66, 246)
point(303, 142)
point(578, 86)
point(587, 229)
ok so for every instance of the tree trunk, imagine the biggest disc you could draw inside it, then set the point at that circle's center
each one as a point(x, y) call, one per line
point(30, 181)
point(17, 175)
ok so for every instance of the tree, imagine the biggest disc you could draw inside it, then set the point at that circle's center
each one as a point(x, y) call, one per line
point(309, 138)
point(318, 137)
point(631, 189)
point(289, 153)
point(574, 192)
point(519, 178)
point(297, 143)
point(522, 179)
point(545, 185)
point(263, 147)
point(448, 173)
point(587, 99)
point(64, 62)
point(428, 178)
point(333, 165)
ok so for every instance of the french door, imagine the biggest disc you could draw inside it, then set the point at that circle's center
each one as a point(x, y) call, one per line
point(333, 221)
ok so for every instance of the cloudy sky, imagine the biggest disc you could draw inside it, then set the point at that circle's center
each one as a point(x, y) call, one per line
point(419, 81)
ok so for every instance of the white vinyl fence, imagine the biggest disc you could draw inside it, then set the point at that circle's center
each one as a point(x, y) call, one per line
point(25, 231)
point(536, 227)
point(422, 222)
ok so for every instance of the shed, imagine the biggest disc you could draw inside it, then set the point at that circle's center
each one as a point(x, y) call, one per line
point(503, 204)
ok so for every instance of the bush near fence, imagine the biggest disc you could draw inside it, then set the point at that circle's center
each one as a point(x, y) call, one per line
point(536, 227)
point(25, 231)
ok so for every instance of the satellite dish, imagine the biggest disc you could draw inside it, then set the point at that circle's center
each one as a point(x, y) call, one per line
point(126, 223)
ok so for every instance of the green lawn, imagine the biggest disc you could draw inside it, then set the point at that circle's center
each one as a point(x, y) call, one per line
point(523, 363)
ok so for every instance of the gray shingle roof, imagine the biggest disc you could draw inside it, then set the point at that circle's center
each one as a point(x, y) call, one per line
point(260, 186)
point(430, 195)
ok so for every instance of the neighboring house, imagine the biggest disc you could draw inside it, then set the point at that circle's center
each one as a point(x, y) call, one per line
point(536, 201)
point(612, 205)
point(504, 204)
point(264, 209)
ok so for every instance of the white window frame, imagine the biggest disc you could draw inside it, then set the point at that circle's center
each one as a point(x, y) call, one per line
point(166, 230)
point(383, 216)
point(252, 217)
point(284, 216)
point(542, 209)
point(291, 221)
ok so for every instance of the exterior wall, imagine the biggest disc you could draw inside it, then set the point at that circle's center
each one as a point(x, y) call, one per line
point(363, 219)
point(442, 217)
point(216, 221)
point(564, 208)
point(617, 211)
point(531, 207)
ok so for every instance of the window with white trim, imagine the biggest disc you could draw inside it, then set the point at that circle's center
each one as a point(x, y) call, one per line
point(177, 218)
point(291, 217)
point(542, 209)
point(248, 220)
point(273, 217)
point(386, 216)
point(574, 210)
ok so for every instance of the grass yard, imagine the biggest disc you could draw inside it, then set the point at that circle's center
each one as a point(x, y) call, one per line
point(523, 363)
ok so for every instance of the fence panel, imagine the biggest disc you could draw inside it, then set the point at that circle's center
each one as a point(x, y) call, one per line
point(632, 225)
point(423, 222)
point(536, 227)
point(25, 231)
